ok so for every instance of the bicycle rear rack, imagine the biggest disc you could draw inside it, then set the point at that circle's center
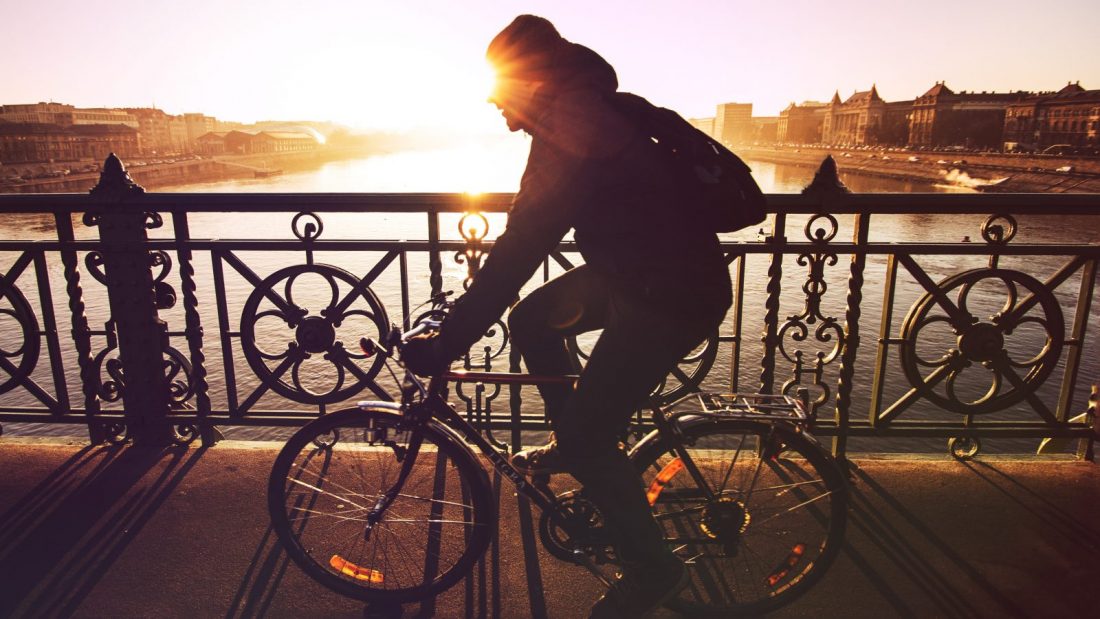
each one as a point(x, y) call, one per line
point(753, 406)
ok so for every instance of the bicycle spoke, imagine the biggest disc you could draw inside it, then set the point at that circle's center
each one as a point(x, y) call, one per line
point(316, 512)
point(799, 506)
point(733, 462)
point(433, 500)
point(326, 492)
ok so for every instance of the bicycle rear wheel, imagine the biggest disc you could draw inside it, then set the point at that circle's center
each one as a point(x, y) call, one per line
point(330, 475)
point(773, 526)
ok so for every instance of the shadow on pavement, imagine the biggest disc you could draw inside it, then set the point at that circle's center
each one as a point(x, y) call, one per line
point(66, 533)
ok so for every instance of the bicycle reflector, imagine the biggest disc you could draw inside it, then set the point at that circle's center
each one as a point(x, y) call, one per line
point(785, 567)
point(367, 346)
point(658, 484)
point(347, 568)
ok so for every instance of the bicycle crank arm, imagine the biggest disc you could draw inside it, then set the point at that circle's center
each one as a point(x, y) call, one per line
point(586, 562)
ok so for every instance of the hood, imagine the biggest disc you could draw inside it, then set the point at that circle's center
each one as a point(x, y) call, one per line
point(576, 67)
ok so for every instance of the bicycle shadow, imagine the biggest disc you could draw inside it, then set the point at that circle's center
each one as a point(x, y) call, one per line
point(61, 537)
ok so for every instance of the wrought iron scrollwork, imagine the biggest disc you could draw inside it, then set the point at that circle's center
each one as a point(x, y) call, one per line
point(999, 229)
point(164, 294)
point(311, 230)
point(19, 347)
point(184, 433)
point(798, 328)
point(473, 227)
point(94, 261)
point(479, 404)
point(177, 374)
point(107, 361)
point(960, 338)
point(116, 432)
point(297, 328)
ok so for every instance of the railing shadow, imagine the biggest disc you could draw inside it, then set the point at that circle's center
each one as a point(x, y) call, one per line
point(70, 529)
point(261, 580)
point(1058, 519)
point(951, 597)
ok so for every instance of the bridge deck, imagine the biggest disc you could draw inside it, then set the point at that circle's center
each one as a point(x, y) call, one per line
point(96, 532)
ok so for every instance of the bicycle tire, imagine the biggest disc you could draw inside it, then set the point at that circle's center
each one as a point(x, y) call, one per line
point(331, 472)
point(776, 523)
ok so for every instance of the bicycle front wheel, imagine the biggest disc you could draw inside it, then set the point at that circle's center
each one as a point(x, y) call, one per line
point(329, 478)
point(767, 525)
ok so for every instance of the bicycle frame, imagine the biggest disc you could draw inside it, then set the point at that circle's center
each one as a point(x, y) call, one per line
point(434, 407)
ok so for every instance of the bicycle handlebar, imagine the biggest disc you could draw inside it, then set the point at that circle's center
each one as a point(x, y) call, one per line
point(396, 338)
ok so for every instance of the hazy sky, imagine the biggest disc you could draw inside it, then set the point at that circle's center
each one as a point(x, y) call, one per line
point(398, 64)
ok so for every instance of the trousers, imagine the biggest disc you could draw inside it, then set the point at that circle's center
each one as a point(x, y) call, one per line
point(639, 344)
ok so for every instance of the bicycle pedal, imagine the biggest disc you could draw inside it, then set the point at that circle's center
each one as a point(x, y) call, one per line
point(541, 479)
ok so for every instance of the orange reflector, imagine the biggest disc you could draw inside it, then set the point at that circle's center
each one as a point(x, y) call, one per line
point(785, 567)
point(658, 484)
point(347, 568)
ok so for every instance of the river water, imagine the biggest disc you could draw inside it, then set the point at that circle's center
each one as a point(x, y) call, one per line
point(497, 167)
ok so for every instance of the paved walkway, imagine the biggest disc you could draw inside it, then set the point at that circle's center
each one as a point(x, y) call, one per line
point(107, 532)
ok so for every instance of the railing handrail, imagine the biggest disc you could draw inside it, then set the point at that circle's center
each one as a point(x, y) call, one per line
point(837, 204)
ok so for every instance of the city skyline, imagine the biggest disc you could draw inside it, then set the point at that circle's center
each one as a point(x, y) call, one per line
point(380, 66)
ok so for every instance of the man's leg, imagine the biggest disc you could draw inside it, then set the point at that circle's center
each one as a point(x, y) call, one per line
point(572, 303)
point(635, 351)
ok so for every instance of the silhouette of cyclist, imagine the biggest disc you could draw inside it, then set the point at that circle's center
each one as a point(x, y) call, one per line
point(654, 280)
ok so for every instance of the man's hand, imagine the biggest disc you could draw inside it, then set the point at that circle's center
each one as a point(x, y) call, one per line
point(423, 355)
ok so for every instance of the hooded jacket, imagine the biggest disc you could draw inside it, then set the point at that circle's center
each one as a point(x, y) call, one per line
point(590, 170)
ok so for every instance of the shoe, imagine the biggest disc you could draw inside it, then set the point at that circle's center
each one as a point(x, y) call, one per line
point(542, 460)
point(641, 589)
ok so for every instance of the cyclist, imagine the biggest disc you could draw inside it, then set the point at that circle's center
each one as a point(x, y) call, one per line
point(654, 280)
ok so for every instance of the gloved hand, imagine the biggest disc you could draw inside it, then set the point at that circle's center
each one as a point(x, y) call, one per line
point(423, 355)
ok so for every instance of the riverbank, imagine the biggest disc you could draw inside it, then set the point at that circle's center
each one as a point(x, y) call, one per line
point(216, 168)
point(988, 172)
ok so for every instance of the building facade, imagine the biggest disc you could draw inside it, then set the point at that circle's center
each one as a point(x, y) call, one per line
point(706, 125)
point(245, 143)
point(44, 113)
point(942, 117)
point(104, 116)
point(801, 124)
point(764, 129)
point(1067, 120)
point(865, 119)
point(733, 123)
point(197, 125)
point(49, 143)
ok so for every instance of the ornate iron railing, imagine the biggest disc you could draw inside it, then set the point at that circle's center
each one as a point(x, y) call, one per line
point(931, 339)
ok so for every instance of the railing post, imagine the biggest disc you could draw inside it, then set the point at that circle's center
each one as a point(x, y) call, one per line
point(828, 188)
point(142, 336)
point(770, 337)
point(1094, 411)
point(89, 382)
point(435, 264)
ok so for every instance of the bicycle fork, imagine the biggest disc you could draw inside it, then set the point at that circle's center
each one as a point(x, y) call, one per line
point(374, 516)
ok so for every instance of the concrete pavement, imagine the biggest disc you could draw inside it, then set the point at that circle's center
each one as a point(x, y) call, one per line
point(109, 532)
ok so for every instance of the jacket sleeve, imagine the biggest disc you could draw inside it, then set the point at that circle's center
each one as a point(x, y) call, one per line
point(556, 183)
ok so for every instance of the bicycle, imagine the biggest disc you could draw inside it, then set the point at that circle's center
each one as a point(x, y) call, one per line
point(389, 503)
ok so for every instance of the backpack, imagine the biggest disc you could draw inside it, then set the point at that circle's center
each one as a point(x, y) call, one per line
point(714, 180)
